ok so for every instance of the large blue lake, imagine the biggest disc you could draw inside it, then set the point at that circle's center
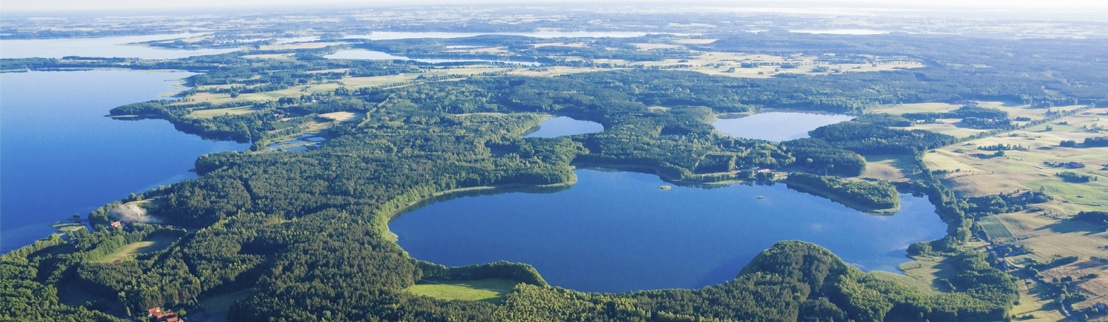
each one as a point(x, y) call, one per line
point(618, 231)
point(59, 155)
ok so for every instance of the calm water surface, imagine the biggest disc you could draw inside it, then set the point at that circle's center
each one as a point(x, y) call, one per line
point(777, 126)
point(61, 156)
point(618, 231)
point(98, 47)
point(563, 126)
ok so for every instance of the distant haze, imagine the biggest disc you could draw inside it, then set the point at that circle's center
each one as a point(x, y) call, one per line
point(143, 5)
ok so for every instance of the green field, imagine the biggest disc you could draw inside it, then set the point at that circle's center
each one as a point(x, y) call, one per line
point(924, 273)
point(152, 244)
point(485, 290)
point(993, 227)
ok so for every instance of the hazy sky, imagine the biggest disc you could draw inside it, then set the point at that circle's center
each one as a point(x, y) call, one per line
point(146, 5)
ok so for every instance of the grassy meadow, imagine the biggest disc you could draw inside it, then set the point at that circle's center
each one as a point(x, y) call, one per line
point(152, 244)
point(485, 290)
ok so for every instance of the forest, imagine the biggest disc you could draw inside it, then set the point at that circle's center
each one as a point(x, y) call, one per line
point(305, 233)
point(859, 194)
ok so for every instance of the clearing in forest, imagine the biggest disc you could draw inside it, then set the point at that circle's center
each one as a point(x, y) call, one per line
point(491, 290)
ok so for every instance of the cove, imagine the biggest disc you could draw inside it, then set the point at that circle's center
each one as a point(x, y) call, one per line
point(776, 126)
point(62, 156)
point(563, 126)
point(618, 231)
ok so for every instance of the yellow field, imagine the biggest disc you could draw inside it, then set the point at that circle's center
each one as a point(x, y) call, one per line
point(1098, 285)
point(218, 99)
point(924, 271)
point(886, 168)
point(950, 161)
point(946, 126)
point(975, 172)
point(210, 113)
point(1045, 230)
point(339, 116)
point(1035, 303)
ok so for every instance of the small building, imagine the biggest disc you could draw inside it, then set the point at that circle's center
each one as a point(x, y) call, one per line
point(117, 224)
point(158, 313)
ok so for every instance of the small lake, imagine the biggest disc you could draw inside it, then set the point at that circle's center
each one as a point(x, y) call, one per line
point(99, 47)
point(563, 126)
point(776, 126)
point(618, 231)
point(61, 155)
point(379, 55)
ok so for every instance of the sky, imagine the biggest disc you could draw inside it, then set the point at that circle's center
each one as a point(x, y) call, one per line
point(146, 5)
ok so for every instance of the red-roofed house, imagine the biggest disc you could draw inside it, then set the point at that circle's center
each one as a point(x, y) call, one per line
point(159, 314)
point(117, 224)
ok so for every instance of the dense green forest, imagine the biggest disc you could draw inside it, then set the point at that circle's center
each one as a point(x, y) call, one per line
point(305, 233)
point(862, 195)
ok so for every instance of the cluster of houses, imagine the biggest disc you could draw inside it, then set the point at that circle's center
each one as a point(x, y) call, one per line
point(163, 315)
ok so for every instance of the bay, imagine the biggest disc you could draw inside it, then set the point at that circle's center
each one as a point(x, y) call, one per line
point(60, 155)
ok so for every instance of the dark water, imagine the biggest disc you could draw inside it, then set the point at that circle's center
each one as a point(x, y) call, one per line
point(618, 231)
point(59, 155)
point(562, 126)
point(777, 126)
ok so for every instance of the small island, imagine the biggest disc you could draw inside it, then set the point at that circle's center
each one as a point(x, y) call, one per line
point(876, 197)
